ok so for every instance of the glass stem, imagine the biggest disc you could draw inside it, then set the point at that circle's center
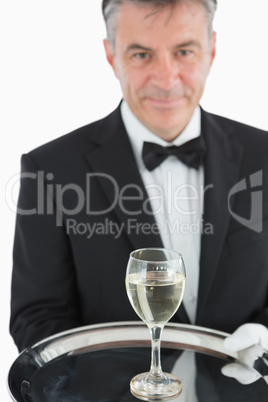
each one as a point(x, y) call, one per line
point(156, 369)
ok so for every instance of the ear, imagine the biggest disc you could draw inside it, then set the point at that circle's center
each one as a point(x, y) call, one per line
point(213, 47)
point(109, 54)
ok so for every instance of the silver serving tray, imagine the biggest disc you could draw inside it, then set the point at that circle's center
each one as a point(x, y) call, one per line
point(28, 374)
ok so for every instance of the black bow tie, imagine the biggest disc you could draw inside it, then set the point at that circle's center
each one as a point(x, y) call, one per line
point(191, 153)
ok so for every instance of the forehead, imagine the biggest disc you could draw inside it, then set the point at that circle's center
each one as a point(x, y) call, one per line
point(147, 22)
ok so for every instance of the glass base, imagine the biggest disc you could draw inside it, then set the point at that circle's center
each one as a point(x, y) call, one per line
point(148, 388)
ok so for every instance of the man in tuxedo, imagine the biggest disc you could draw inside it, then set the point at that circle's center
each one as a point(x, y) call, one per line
point(90, 197)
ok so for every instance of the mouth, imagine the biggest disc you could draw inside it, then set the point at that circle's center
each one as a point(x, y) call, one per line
point(164, 103)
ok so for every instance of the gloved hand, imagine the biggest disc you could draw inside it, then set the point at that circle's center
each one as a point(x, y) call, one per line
point(247, 335)
point(250, 341)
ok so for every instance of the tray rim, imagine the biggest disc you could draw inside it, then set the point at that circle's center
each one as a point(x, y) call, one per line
point(123, 334)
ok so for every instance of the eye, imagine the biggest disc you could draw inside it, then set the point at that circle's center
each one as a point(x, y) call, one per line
point(141, 56)
point(184, 52)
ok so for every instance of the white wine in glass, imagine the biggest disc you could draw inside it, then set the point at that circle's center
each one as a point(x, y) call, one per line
point(155, 282)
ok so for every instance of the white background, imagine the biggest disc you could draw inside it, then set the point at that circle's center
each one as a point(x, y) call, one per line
point(54, 78)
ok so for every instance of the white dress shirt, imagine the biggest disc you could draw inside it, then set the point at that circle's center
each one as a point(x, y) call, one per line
point(176, 196)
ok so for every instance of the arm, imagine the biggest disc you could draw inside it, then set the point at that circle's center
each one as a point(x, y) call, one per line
point(44, 297)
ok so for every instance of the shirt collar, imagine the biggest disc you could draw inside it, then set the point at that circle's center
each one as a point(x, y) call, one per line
point(138, 133)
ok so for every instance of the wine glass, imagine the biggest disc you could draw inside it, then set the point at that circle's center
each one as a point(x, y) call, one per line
point(155, 282)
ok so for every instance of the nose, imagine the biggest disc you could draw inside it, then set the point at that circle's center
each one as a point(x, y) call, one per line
point(165, 73)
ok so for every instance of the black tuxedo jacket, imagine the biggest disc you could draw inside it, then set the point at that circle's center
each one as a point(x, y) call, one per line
point(87, 181)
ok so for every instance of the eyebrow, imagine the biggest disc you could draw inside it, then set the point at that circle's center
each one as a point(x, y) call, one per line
point(189, 43)
point(137, 46)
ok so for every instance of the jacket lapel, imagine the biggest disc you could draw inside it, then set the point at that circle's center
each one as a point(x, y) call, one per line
point(222, 167)
point(111, 154)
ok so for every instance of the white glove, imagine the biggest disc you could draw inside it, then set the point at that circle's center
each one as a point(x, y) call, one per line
point(249, 341)
point(243, 374)
point(247, 335)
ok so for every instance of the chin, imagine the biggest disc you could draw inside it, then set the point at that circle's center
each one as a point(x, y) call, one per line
point(167, 133)
point(169, 126)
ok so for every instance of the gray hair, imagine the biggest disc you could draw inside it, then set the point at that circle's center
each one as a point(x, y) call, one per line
point(110, 9)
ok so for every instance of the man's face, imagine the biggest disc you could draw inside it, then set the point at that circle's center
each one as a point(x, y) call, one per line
point(162, 58)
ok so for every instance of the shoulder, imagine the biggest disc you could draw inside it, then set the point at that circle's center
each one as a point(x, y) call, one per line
point(236, 130)
point(80, 140)
point(230, 137)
